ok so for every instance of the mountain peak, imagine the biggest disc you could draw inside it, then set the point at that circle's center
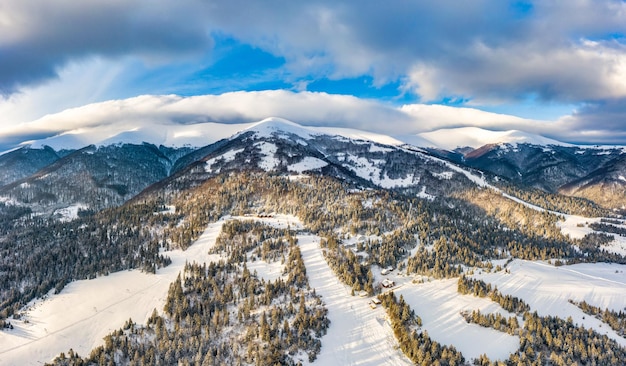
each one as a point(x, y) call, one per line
point(274, 125)
point(475, 137)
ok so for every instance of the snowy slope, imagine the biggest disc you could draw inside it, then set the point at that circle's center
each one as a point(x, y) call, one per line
point(98, 307)
point(358, 335)
point(451, 138)
point(547, 289)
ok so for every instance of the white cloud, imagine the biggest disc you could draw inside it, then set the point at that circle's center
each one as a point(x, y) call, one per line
point(306, 108)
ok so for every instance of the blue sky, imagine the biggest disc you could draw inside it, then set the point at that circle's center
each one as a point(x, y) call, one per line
point(559, 64)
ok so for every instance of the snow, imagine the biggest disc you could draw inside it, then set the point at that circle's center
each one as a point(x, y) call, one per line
point(368, 169)
point(529, 205)
point(478, 180)
point(444, 175)
point(269, 162)
point(547, 289)
point(226, 157)
point(69, 213)
point(96, 307)
point(267, 271)
point(439, 305)
point(358, 135)
point(158, 133)
point(452, 138)
point(578, 226)
point(415, 140)
point(306, 164)
point(358, 335)
point(274, 126)
point(423, 194)
point(379, 148)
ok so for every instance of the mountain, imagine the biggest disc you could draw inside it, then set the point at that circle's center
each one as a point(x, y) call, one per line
point(475, 137)
point(420, 163)
point(170, 134)
point(283, 147)
point(25, 161)
point(91, 178)
point(571, 170)
point(605, 185)
point(264, 246)
point(107, 175)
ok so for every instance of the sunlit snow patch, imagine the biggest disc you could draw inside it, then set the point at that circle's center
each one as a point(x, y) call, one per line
point(225, 158)
point(307, 164)
point(69, 213)
point(269, 161)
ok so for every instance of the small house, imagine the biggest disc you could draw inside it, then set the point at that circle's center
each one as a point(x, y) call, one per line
point(387, 283)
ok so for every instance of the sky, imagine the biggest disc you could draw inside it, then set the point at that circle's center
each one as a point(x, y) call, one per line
point(552, 67)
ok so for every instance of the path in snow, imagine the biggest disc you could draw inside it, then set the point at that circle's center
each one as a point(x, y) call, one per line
point(86, 311)
point(358, 335)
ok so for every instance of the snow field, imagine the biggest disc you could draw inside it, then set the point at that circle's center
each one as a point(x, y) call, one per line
point(358, 335)
point(307, 163)
point(86, 311)
point(226, 157)
point(577, 227)
point(547, 289)
point(439, 305)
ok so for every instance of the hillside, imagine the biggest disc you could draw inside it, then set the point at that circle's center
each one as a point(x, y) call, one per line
point(270, 245)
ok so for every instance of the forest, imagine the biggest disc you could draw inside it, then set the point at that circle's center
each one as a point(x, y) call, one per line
point(446, 236)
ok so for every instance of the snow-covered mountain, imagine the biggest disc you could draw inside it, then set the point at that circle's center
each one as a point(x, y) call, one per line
point(116, 168)
point(369, 214)
point(90, 178)
point(283, 147)
point(421, 163)
point(475, 137)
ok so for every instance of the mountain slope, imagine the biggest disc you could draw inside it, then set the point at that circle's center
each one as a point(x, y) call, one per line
point(91, 178)
point(374, 213)
point(283, 147)
point(587, 172)
point(23, 162)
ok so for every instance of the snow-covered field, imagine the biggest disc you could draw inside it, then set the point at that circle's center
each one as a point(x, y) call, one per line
point(88, 310)
point(358, 335)
point(439, 305)
point(577, 227)
point(547, 289)
point(308, 163)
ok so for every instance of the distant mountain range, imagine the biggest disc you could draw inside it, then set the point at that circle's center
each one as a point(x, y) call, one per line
point(95, 170)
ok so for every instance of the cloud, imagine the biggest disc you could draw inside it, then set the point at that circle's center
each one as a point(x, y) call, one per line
point(485, 51)
point(601, 123)
point(39, 37)
point(583, 72)
point(306, 108)
point(593, 124)
point(60, 54)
